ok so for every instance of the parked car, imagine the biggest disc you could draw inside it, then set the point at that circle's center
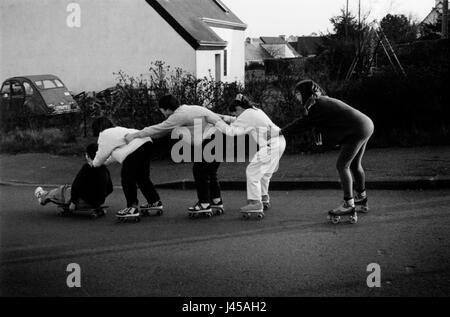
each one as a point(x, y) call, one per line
point(36, 95)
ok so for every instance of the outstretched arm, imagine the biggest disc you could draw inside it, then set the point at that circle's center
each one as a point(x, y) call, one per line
point(295, 126)
point(157, 130)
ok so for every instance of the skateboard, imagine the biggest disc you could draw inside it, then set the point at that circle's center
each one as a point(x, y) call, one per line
point(351, 216)
point(199, 213)
point(135, 218)
point(94, 213)
point(147, 211)
point(248, 214)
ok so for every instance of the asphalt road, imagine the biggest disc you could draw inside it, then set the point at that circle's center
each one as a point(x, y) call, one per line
point(293, 252)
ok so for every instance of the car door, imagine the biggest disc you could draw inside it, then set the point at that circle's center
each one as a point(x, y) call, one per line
point(17, 99)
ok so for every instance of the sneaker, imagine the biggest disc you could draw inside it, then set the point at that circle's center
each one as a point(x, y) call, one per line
point(128, 212)
point(253, 207)
point(265, 199)
point(343, 209)
point(199, 208)
point(40, 193)
point(158, 205)
point(361, 204)
point(218, 205)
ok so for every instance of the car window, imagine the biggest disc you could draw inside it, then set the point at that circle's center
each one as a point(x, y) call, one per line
point(58, 83)
point(48, 83)
point(6, 89)
point(28, 88)
point(39, 84)
point(17, 89)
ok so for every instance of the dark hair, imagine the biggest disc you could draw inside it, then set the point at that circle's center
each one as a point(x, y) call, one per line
point(100, 124)
point(91, 150)
point(169, 102)
point(307, 88)
point(240, 101)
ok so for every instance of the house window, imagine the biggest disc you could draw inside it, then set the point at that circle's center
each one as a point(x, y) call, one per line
point(218, 70)
point(225, 62)
point(222, 6)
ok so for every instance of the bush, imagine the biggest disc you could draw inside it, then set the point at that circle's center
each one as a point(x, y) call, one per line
point(51, 140)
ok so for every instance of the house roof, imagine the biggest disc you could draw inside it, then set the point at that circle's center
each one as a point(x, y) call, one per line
point(307, 45)
point(272, 40)
point(255, 52)
point(193, 19)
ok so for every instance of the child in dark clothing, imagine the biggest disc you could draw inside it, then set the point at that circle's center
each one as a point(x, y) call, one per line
point(344, 125)
point(89, 189)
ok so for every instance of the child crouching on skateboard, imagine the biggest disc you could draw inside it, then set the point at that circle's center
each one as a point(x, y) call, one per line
point(248, 119)
point(89, 189)
point(344, 125)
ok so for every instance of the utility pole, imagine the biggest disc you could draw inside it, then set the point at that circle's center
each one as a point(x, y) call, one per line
point(359, 27)
point(445, 19)
point(346, 22)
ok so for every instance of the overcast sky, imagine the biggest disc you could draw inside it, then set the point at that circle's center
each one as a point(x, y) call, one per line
point(303, 17)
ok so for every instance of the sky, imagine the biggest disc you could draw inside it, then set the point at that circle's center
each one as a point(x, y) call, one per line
point(304, 17)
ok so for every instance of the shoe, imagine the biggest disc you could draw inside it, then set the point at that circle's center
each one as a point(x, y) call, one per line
point(40, 193)
point(253, 206)
point(361, 204)
point(198, 208)
point(265, 199)
point(128, 212)
point(344, 209)
point(158, 205)
point(218, 205)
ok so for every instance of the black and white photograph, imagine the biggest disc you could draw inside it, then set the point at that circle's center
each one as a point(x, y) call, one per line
point(224, 155)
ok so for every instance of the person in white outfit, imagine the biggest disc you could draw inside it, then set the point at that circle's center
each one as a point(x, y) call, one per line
point(265, 162)
point(135, 160)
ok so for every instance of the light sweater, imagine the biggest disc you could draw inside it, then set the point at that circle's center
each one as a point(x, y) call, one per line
point(189, 117)
point(253, 121)
point(113, 148)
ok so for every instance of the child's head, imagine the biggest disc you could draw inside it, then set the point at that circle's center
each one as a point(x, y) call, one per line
point(91, 150)
point(100, 124)
point(306, 89)
point(239, 105)
point(168, 104)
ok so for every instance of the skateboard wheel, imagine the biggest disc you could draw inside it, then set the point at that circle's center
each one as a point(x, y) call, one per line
point(209, 214)
point(260, 216)
point(159, 212)
point(94, 216)
point(245, 216)
point(353, 219)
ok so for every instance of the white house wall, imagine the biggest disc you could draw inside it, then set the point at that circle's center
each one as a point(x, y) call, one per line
point(235, 53)
point(113, 35)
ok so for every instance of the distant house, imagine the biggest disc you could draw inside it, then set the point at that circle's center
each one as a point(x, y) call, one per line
point(436, 11)
point(254, 52)
point(259, 49)
point(84, 42)
point(307, 46)
point(278, 47)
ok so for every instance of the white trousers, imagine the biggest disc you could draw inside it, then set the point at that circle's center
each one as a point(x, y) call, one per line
point(262, 166)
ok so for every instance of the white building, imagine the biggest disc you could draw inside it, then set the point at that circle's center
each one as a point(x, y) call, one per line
point(85, 41)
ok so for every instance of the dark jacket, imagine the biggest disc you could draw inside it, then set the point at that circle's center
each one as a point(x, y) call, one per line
point(338, 122)
point(92, 184)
